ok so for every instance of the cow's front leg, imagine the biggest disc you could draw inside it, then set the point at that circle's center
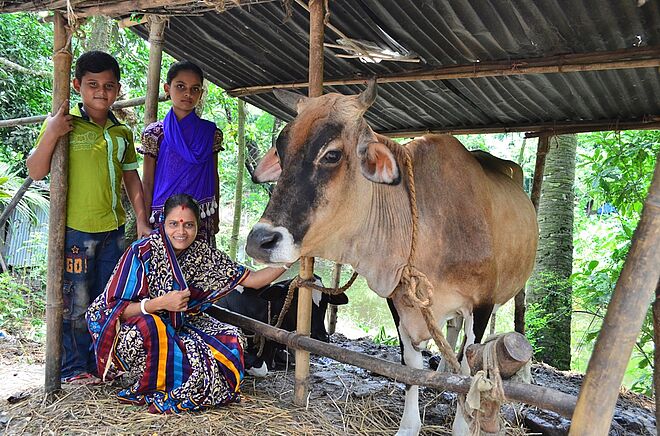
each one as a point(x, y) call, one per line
point(411, 423)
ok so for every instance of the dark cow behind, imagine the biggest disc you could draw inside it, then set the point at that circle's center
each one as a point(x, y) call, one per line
point(253, 303)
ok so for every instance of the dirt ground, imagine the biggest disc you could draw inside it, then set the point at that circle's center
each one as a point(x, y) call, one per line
point(343, 400)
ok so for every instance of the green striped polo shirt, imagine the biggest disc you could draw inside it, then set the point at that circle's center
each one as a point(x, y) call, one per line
point(97, 158)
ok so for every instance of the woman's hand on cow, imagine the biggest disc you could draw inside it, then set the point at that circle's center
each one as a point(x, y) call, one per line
point(174, 301)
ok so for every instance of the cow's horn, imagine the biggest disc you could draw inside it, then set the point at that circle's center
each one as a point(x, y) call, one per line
point(368, 96)
point(290, 99)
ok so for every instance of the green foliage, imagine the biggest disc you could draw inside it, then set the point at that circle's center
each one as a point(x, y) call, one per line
point(28, 43)
point(21, 309)
point(614, 168)
point(34, 198)
point(384, 339)
point(545, 315)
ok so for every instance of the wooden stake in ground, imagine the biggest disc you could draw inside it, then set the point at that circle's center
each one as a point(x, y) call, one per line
point(304, 321)
point(625, 314)
point(57, 220)
point(240, 170)
point(332, 308)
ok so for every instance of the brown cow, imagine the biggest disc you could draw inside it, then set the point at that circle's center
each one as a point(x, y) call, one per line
point(342, 195)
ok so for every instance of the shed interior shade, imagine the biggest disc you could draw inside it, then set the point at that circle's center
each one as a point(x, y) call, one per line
point(265, 43)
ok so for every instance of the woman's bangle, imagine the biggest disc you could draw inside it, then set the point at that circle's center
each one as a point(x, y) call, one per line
point(142, 308)
point(285, 267)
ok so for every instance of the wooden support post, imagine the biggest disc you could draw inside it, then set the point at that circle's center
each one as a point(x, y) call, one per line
point(541, 152)
point(656, 351)
point(156, 41)
point(304, 321)
point(303, 327)
point(624, 317)
point(57, 220)
point(240, 170)
point(332, 308)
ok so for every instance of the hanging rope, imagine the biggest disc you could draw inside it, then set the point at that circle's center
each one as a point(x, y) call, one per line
point(415, 286)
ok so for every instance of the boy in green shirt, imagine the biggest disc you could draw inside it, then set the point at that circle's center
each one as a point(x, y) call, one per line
point(101, 154)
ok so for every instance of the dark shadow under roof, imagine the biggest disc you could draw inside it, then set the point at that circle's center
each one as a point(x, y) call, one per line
point(258, 44)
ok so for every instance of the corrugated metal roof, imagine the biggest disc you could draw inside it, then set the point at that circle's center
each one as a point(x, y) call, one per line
point(259, 44)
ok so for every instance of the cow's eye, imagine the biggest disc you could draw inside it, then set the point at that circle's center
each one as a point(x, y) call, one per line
point(332, 156)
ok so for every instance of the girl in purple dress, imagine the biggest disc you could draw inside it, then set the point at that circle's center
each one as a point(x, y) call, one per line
point(181, 152)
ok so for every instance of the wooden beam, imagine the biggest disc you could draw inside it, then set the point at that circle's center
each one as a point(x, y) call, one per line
point(156, 42)
point(623, 320)
point(128, 6)
point(648, 57)
point(62, 59)
point(545, 398)
point(535, 129)
point(137, 101)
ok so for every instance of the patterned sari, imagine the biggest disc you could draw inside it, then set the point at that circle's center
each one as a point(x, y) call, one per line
point(176, 360)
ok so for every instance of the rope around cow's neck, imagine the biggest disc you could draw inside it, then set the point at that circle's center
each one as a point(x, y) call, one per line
point(415, 287)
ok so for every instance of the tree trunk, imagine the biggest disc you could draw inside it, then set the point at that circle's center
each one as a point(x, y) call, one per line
point(238, 195)
point(549, 299)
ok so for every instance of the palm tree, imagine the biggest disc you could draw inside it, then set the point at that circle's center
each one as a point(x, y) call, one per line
point(550, 295)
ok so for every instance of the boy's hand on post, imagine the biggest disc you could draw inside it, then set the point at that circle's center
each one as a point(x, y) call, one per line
point(61, 123)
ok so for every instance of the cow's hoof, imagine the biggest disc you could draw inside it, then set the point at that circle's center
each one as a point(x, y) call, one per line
point(407, 432)
point(260, 371)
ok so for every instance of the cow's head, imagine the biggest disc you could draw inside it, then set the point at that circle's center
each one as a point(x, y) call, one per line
point(322, 159)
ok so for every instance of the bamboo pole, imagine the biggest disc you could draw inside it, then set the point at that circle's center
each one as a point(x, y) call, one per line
point(304, 321)
point(156, 41)
point(332, 312)
point(14, 122)
point(57, 218)
point(545, 398)
point(539, 168)
point(656, 351)
point(648, 57)
point(238, 195)
point(623, 320)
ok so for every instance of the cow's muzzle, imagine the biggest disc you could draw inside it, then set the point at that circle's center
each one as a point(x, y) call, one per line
point(269, 244)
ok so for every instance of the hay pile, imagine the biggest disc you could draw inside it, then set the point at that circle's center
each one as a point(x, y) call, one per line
point(263, 410)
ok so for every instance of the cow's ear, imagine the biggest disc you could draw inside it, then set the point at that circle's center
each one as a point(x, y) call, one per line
point(378, 163)
point(268, 169)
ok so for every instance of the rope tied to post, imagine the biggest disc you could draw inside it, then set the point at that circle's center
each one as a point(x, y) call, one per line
point(298, 282)
point(486, 386)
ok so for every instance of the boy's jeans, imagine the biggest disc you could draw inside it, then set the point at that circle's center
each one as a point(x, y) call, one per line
point(89, 259)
